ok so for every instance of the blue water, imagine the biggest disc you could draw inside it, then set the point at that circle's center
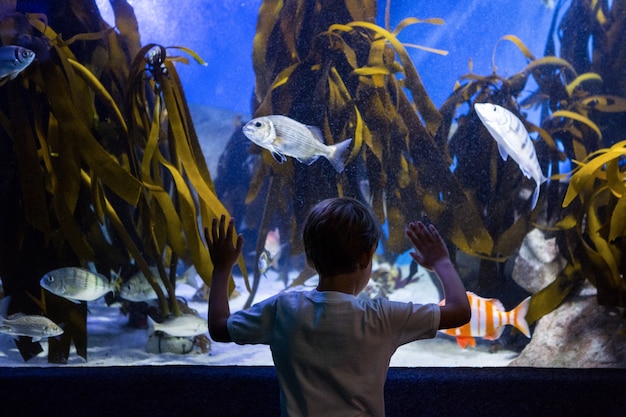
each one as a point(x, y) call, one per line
point(222, 33)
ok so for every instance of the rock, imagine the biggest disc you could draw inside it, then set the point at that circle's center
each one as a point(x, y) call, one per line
point(159, 342)
point(578, 334)
point(538, 262)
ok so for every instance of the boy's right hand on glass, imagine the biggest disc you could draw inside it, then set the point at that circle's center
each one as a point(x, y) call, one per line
point(220, 243)
point(429, 244)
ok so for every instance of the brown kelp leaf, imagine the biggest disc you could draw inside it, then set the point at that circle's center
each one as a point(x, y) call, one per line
point(618, 221)
point(520, 45)
point(553, 295)
point(130, 245)
point(604, 255)
point(412, 81)
point(100, 91)
point(584, 175)
point(605, 103)
point(32, 180)
point(74, 318)
point(578, 117)
point(361, 10)
point(588, 76)
point(93, 36)
point(76, 131)
point(126, 24)
point(267, 20)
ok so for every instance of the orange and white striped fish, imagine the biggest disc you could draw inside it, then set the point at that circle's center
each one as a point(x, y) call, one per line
point(488, 320)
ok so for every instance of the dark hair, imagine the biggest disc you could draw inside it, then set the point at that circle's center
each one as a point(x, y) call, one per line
point(337, 233)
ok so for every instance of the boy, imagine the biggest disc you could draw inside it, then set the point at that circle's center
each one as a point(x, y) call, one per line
point(331, 349)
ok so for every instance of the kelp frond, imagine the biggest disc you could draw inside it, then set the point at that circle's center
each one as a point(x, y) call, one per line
point(355, 79)
point(112, 166)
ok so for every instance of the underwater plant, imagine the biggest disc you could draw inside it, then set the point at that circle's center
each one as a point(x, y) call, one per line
point(104, 164)
point(329, 65)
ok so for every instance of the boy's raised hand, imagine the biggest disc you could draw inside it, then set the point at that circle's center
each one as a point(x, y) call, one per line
point(224, 253)
point(429, 244)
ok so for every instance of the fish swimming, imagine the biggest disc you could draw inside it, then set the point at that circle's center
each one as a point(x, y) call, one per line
point(137, 288)
point(488, 320)
point(271, 251)
point(283, 136)
point(513, 140)
point(77, 284)
point(182, 326)
point(37, 327)
point(13, 60)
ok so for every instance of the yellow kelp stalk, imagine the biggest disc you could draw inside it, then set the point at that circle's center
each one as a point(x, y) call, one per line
point(597, 198)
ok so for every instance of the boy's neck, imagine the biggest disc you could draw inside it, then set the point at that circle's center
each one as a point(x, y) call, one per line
point(345, 283)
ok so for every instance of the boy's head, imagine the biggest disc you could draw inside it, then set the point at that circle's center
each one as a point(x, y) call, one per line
point(337, 234)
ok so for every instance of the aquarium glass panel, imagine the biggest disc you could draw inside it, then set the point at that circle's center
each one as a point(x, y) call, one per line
point(127, 127)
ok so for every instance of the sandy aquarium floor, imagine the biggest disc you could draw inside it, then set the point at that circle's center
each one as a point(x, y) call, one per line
point(111, 342)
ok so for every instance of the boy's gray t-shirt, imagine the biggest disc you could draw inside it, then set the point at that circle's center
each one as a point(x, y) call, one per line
point(332, 350)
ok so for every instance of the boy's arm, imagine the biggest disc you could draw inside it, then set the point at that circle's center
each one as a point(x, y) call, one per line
point(433, 255)
point(224, 256)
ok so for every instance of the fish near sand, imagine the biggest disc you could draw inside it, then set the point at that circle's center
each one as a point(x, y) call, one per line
point(13, 60)
point(34, 326)
point(488, 320)
point(137, 288)
point(283, 136)
point(513, 140)
point(37, 327)
point(182, 326)
point(77, 284)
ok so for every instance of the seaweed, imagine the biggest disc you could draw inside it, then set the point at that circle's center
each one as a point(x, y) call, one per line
point(328, 64)
point(355, 79)
point(108, 166)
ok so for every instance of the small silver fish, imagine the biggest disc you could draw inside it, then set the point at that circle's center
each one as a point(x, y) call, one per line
point(137, 288)
point(13, 60)
point(182, 326)
point(513, 139)
point(77, 284)
point(282, 136)
point(37, 327)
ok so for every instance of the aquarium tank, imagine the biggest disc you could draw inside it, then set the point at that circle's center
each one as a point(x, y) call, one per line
point(126, 126)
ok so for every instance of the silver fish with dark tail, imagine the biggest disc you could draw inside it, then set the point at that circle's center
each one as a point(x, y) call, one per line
point(137, 288)
point(282, 136)
point(13, 60)
point(513, 139)
point(77, 284)
point(37, 327)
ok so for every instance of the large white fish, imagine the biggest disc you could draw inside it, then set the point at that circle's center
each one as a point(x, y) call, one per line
point(185, 325)
point(513, 139)
point(77, 284)
point(37, 327)
point(282, 136)
point(13, 60)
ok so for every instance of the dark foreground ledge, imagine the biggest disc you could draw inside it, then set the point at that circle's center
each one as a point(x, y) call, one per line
point(193, 391)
